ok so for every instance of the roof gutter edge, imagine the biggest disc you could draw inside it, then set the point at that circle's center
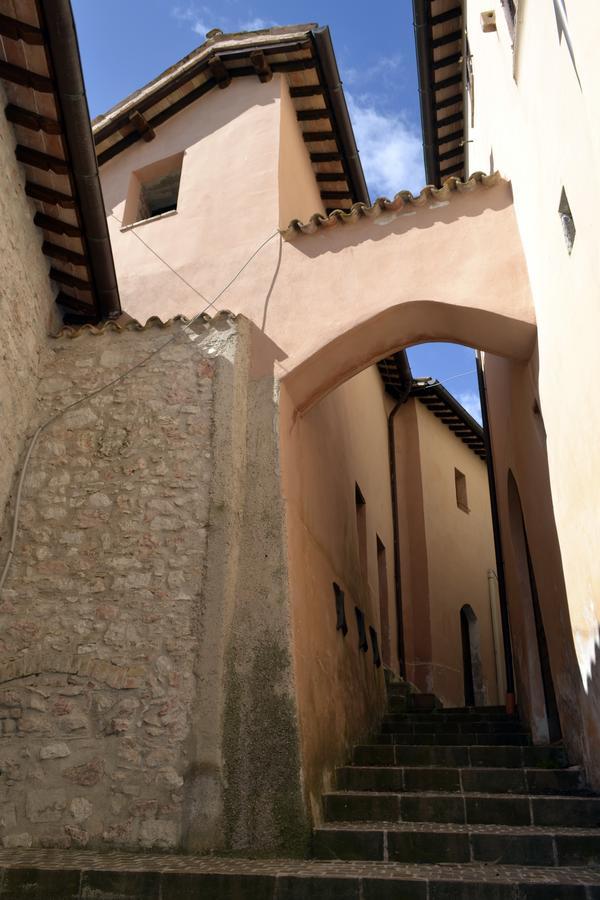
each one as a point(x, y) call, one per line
point(59, 26)
point(421, 24)
point(326, 56)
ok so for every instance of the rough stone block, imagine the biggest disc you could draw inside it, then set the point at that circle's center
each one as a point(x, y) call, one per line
point(45, 806)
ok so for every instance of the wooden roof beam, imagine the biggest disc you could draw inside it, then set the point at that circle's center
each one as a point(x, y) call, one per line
point(70, 280)
point(449, 101)
point(447, 39)
point(331, 176)
point(31, 120)
point(336, 195)
point(141, 125)
point(450, 60)
point(26, 78)
point(20, 31)
point(454, 13)
point(43, 161)
point(74, 304)
point(317, 137)
point(307, 90)
point(219, 71)
point(311, 115)
point(448, 138)
point(49, 195)
point(57, 226)
point(261, 66)
point(55, 251)
point(325, 157)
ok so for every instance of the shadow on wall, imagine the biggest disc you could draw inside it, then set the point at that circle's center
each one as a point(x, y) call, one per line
point(408, 217)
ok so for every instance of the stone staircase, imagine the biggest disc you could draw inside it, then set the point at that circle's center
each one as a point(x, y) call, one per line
point(462, 794)
point(443, 804)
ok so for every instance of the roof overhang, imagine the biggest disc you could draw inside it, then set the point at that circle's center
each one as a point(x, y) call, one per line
point(449, 411)
point(304, 53)
point(440, 45)
point(47, 106)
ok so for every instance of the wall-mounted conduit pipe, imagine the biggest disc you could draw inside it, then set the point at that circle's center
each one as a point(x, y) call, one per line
point(404, 389)
point(508, 657)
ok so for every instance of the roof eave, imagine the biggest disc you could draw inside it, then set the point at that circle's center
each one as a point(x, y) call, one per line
point(326, 57)
point(421, 23)
point(63, 48)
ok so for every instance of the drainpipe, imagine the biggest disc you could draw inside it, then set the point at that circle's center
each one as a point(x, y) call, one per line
point(508, 658)
point(56, 19)
point(405, 386)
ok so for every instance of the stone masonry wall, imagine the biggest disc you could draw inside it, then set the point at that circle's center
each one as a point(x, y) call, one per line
point(27, 308)
point(99, 617)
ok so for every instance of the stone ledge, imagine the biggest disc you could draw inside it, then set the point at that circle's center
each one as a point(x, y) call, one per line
point(43, 662)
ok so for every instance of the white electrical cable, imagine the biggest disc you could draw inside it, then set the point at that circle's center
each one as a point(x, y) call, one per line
point(61, 412)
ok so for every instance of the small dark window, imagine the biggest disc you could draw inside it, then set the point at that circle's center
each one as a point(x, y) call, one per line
point(460, 483)
point(159, 196)
point(153, 190)
point(567, 221)
point(363, 644)
point(340, 610)
point(375, 647)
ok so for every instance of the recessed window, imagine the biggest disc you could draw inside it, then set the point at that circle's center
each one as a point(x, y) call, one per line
point(363, 643)
point(460, 483)
point(340, 610)
point(153, 190)
point(567, 221)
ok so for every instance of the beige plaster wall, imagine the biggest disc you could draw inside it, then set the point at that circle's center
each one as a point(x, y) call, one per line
point(299, 196)
point(228, 199)
point(543, 130)
point(340, 442)
point(460, 553)
point(27, 309)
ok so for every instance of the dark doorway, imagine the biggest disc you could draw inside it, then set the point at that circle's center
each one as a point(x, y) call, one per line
point(529, 585)
point(467, 659)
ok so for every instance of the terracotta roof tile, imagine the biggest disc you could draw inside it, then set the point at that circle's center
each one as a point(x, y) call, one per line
point(428, 197)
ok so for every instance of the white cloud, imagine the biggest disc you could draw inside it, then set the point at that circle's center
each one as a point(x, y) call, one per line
point(470, 401)
point(201, 19)
point(390, 148)
point(383, 67)
point(256, 24)
point(197, 18)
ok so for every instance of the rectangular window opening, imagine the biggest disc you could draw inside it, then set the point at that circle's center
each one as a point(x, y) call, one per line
point(153, 190)
point(363, 643)
point(567, 221)
point(460, 483)
point(375, 647)
point(340, 610)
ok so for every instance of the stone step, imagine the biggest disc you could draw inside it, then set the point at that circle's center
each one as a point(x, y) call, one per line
point(554, 757)
point(449, 738)
point(467, 780)
point(472, 726)
point(439, 843)
point(58, 875)
point(443, 718)
point(413, 702)
point(471, 809)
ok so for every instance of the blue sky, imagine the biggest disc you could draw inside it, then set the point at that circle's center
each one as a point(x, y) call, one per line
point(125, 43)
